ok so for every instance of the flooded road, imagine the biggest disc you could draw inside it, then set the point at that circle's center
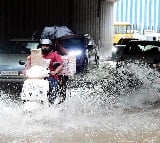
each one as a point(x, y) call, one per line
point(105, 106)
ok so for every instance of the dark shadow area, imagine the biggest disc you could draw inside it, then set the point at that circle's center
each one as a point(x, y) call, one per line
point(11, 90)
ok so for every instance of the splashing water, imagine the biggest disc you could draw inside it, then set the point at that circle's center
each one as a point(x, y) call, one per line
point(105, 105)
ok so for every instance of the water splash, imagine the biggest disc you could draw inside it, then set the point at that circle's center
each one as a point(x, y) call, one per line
point(110, 86)
point(106, 100)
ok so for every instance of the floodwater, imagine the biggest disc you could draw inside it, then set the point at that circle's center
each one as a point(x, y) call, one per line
point(105, 106)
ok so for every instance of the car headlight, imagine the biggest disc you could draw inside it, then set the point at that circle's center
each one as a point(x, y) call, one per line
point(75, 53)
point(114, 49)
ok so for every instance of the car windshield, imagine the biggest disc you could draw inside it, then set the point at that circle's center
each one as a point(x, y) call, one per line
point(73, 43)
point(18, 47)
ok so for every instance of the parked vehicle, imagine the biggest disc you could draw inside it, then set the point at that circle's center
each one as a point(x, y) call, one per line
point(125, 41)
point(137, 50)
point(122, 30)
point(117, 50)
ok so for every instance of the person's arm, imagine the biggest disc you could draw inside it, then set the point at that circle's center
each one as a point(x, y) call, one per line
point(60, 67)
point(57, 70)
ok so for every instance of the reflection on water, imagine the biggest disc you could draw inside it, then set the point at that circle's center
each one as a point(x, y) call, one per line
point(107, 105)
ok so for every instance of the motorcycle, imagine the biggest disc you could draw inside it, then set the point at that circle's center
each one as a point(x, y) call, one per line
point(35, 89)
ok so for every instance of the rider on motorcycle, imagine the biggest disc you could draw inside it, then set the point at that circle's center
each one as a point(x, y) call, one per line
point(48, 53)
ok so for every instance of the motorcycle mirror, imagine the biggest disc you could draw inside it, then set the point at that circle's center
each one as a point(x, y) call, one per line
point(21, 62)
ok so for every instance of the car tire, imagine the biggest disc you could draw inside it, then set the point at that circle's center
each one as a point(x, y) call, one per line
point(84, 67)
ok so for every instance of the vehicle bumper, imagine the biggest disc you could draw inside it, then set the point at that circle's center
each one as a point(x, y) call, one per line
point(12, 79)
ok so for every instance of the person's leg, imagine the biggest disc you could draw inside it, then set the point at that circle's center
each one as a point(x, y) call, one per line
point(53, 84)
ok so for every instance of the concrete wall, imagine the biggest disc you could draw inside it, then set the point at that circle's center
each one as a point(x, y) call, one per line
point(106, 29)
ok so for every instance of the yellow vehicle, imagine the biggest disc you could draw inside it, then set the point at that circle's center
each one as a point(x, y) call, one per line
point(122, 30)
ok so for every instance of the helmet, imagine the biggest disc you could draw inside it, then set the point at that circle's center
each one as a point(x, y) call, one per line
point(45, 42)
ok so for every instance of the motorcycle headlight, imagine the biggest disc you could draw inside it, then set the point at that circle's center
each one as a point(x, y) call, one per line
point(75, 53)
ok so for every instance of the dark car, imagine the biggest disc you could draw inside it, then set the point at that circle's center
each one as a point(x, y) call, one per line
point(85, 50)
point(137, 50)
point(125, 41)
